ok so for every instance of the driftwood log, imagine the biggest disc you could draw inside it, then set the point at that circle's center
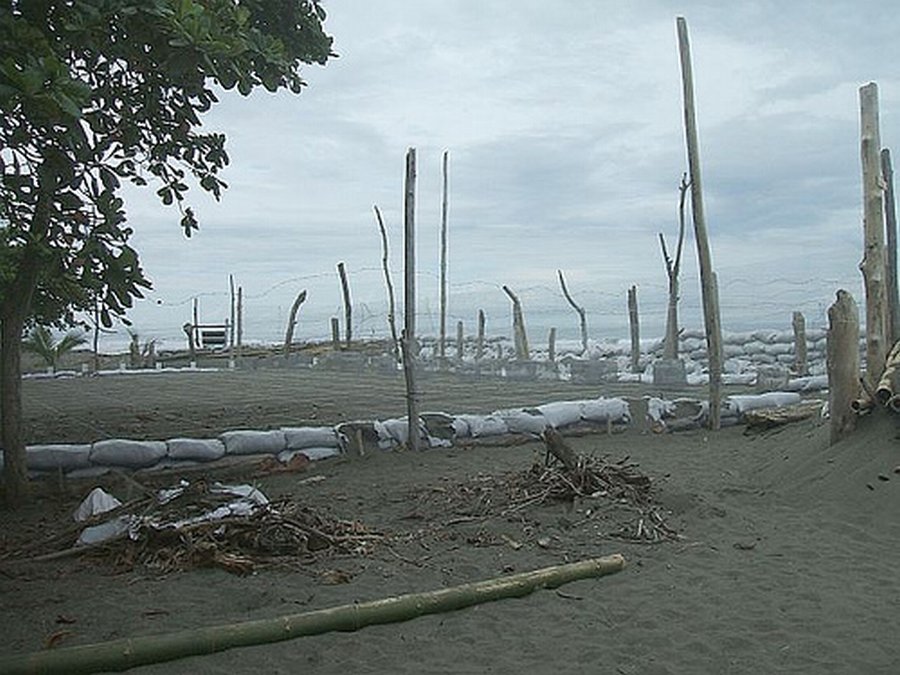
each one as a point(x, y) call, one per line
point(129, 653)
point(558, 447)
point(889, 384)
point(842, 346)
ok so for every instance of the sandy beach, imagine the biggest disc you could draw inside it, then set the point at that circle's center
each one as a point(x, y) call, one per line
point(785, 561)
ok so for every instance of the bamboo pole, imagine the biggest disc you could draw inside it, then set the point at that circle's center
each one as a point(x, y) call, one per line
point(842, 361)
point(348, 307)
point(443, 299)
point(582, 319)
point(392, 311)
point(634, 323)
point(890, 222)
point(410, 349)
point(873, 262)
point(800, 355)
point(132, 652)
point(708, 284)
point(519, 335)
point(292, 321)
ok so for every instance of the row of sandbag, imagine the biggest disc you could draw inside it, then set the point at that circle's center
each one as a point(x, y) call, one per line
point(438, 430)
point(684, 413)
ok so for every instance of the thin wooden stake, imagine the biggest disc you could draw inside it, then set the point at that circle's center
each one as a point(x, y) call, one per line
point(890, 222)
point(460, 341)
point(292, 321)
point(392, 312)
point(479, 342)
point(800, 361)
point(443, 300)
point(520, 336)
point(410, 347)
point(634, 322)
point(551, 345)
point(348, 307)
point(582, 320)
point(335, 333)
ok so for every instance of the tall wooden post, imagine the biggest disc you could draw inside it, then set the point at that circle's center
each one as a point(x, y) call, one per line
point(578, 309)
point(292, 321)
point(410, 349)
point(634, 323)
point(800, 362)
point(443, 299)
point(842, 362)
point(873, 262)
point(890, 222)
point(479, 341)
point(348, 307)
point(712, 320)
point(392, 311)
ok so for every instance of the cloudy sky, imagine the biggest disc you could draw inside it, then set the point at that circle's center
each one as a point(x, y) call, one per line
point(564, 126)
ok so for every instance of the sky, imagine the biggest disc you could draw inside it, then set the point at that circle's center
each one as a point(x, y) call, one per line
point(564, 127)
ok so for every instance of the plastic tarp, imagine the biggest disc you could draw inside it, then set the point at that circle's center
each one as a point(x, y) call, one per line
point(250, 442)
point(297, 438)
point(58, 457)
point(196, 449)
point(127, 453)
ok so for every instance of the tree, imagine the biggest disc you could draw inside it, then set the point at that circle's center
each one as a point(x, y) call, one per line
point(40, 341)
point(93, 92)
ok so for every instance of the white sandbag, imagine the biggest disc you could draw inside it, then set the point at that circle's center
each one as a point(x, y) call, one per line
point(298, 438)
point(606, 410)
point(313, 454)
point(57, 457)
point(397, 429)
point(111, 529)
point(461, 427)
point(196, 449)
point(485, 425)
point(250, 442)
point(773, 399)
point(562, 413)
point(520, 421)
point(127, 453)
point(658, 409)
point(98, 501)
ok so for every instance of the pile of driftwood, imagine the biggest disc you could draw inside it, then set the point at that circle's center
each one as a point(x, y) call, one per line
point(614, 491)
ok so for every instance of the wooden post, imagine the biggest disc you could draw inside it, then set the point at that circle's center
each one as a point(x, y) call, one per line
point(673, 269)
point(634, 322)
point(800, 363)
point(708, 284)
point(335, 333)
point(443, 299)
point(551, 346)
point(233, 311)
point(842, 361)
point(580, 310)
point(348, 307)
point(240, 319)
point(873, 262)
point(392, 315)
point(890, 221)
point(292, 321)
point(410, 349)
point(520, 336)
point(479, 343)
point(460, 341)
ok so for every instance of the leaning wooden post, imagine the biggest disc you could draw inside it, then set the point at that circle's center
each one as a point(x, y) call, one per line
point(578, 309)
point(873, 262)
point(800, 362)
point(460, 341)
point(392, 312)
point(520, 336)
point(479, 341)
point(409, 309)
point(348, 307)
point(634, 322)
point(890, 222)
point(710, 294)
point(551, 345)
point(842, 362)
point(292, 321)
point(443, 299)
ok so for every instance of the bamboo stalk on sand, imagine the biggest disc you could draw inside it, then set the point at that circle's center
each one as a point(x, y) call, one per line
point(129, 653)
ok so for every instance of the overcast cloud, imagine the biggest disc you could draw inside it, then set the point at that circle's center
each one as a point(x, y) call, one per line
point(564, 126)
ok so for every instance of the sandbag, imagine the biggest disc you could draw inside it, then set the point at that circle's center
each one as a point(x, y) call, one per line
point(520, 421)
point(58, 457)
point(196, 449)
point(773, 399)
point(98, 501)
point(562, 413)
point(127, 453)
point(298, 438)
point(484, 425)
point(606, 410)
point(250, 442)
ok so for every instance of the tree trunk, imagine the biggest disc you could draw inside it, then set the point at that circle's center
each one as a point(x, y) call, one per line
point(708, 284)
point(842, 346)
point(890, 221)
point(292, 321)
point(392, 310)
point(673, 270)
point(128, 653)
point(15, 473)
point(634, 321)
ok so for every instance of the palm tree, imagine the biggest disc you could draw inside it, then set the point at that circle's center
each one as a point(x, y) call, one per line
point(40, 341)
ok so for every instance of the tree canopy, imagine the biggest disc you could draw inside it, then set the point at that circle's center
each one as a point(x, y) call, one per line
point(96, 92)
